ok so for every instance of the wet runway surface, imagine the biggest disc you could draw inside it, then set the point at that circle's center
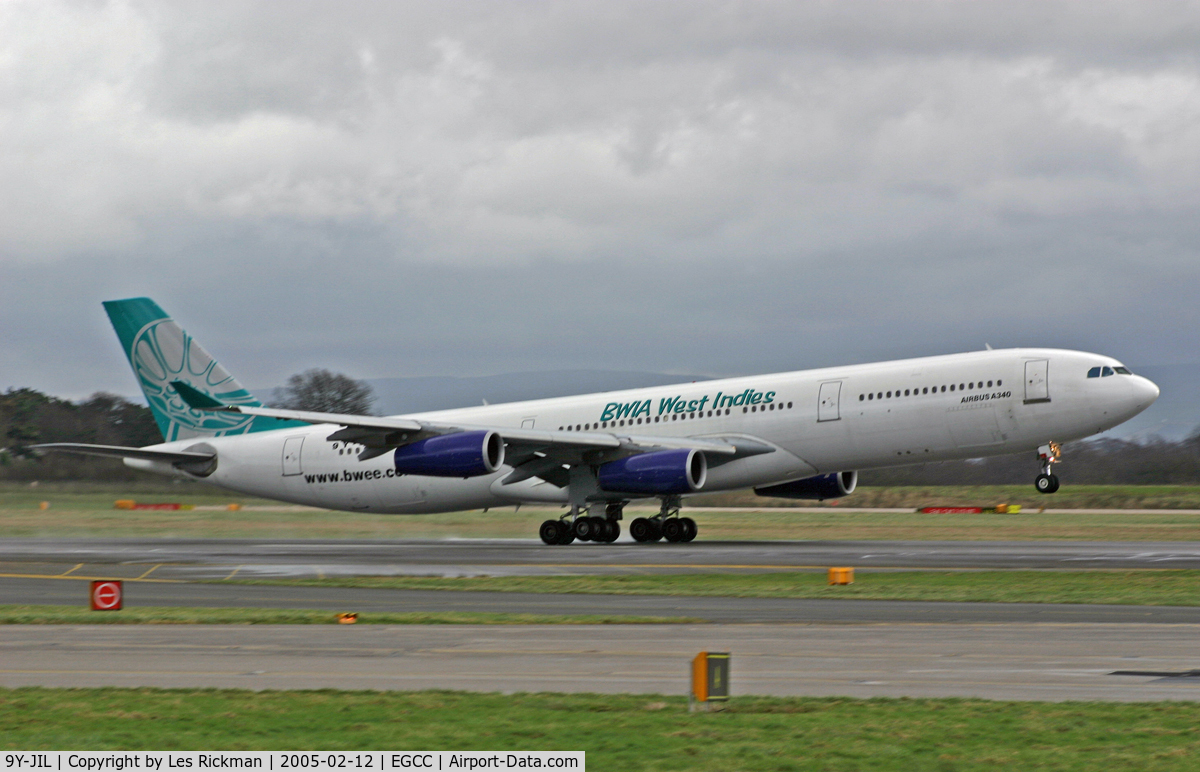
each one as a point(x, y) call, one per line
point(24, 590)
point(780, 646)
point(190, 559)
point(1013, 661)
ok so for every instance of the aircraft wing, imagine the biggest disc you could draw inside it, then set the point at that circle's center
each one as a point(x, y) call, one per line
point(531, 452)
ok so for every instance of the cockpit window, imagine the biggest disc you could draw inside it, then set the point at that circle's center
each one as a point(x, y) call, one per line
point(1094, 372)
point(1122, 371)
point(1107, 371)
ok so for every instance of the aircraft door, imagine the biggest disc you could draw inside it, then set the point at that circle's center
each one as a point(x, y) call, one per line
point(1036, 375)
point(291, 456)
point(828, 408)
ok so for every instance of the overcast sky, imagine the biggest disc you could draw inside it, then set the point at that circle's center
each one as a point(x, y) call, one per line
point(442, 188)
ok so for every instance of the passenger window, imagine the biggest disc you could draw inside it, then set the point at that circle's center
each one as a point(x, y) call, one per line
point(870, 396)
point(789, 405)
point(1107, 371)
point(1094, 372)
point(925, 390)
point(989, 384)
point(952, 387)
point(906, 392)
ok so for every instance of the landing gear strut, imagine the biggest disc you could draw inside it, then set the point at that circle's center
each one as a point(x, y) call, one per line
point(666, 524)
point(1047, 481)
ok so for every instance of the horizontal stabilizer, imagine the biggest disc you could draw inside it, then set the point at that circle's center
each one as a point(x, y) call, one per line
point(116, 451)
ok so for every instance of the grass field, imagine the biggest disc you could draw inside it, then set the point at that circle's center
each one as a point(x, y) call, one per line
point(87, 510)
point(620, 732)
point(177, 615)
point(1169, 587)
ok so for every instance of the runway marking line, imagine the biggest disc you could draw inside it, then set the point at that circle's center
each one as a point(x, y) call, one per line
point(76, 568)
point(88, 578)
point(150, 571)
point(231, 573)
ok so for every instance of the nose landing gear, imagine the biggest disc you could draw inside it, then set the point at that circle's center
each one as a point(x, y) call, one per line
point(1047, 481)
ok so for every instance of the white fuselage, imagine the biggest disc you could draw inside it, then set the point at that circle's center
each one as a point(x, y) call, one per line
point(834, 419)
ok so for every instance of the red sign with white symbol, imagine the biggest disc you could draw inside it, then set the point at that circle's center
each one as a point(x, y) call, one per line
point(106, 596)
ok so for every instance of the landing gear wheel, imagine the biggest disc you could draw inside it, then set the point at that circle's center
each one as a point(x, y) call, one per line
point(689, 528)
point(551, 531)
point(585, 529)
point(1046, 483)
point(568, 533)
point(612, 530)
point(657, 533)
point(641, 529)
point(673, 530)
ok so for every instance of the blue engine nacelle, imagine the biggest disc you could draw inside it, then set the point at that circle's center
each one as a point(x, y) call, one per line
point(821, 487)
point(464, 454)
point(663, 472)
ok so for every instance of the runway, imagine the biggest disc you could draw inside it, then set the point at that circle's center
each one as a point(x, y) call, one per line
point(192, 559)
point(1018, 661)
point(780, 646)
point(31, 590)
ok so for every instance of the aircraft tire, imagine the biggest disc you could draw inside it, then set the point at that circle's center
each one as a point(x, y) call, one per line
point(568, 533)
point(584, 529)
point(673, 530)
point(690, 528)
point(550, 532)
point(612, 531)
point(641, 529)
point(1046, 483)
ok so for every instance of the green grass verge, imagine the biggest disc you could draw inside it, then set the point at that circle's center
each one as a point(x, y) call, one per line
point(81, 510)
point(1168, 587)
point(171, 615)
point(620, 732)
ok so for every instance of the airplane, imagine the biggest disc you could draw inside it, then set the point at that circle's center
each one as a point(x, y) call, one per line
point(797, 435)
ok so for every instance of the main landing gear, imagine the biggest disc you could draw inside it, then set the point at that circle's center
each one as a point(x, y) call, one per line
point(1047, 481)
point(578, 524)
point(667, 524)
point(573, 526)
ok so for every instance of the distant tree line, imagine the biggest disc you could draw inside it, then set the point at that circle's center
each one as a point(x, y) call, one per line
point(29, 417)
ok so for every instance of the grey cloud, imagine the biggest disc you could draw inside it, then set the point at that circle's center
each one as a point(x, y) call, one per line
point(464, 188)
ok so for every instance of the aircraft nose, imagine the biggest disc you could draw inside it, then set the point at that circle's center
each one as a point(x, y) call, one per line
point(1146, 390)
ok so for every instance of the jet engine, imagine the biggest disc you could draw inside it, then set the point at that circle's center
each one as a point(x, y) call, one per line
point(463, 454)
point(663, 472)
point(821, 487)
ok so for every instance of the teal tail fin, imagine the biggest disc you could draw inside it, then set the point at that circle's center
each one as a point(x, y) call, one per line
point(159, 352)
